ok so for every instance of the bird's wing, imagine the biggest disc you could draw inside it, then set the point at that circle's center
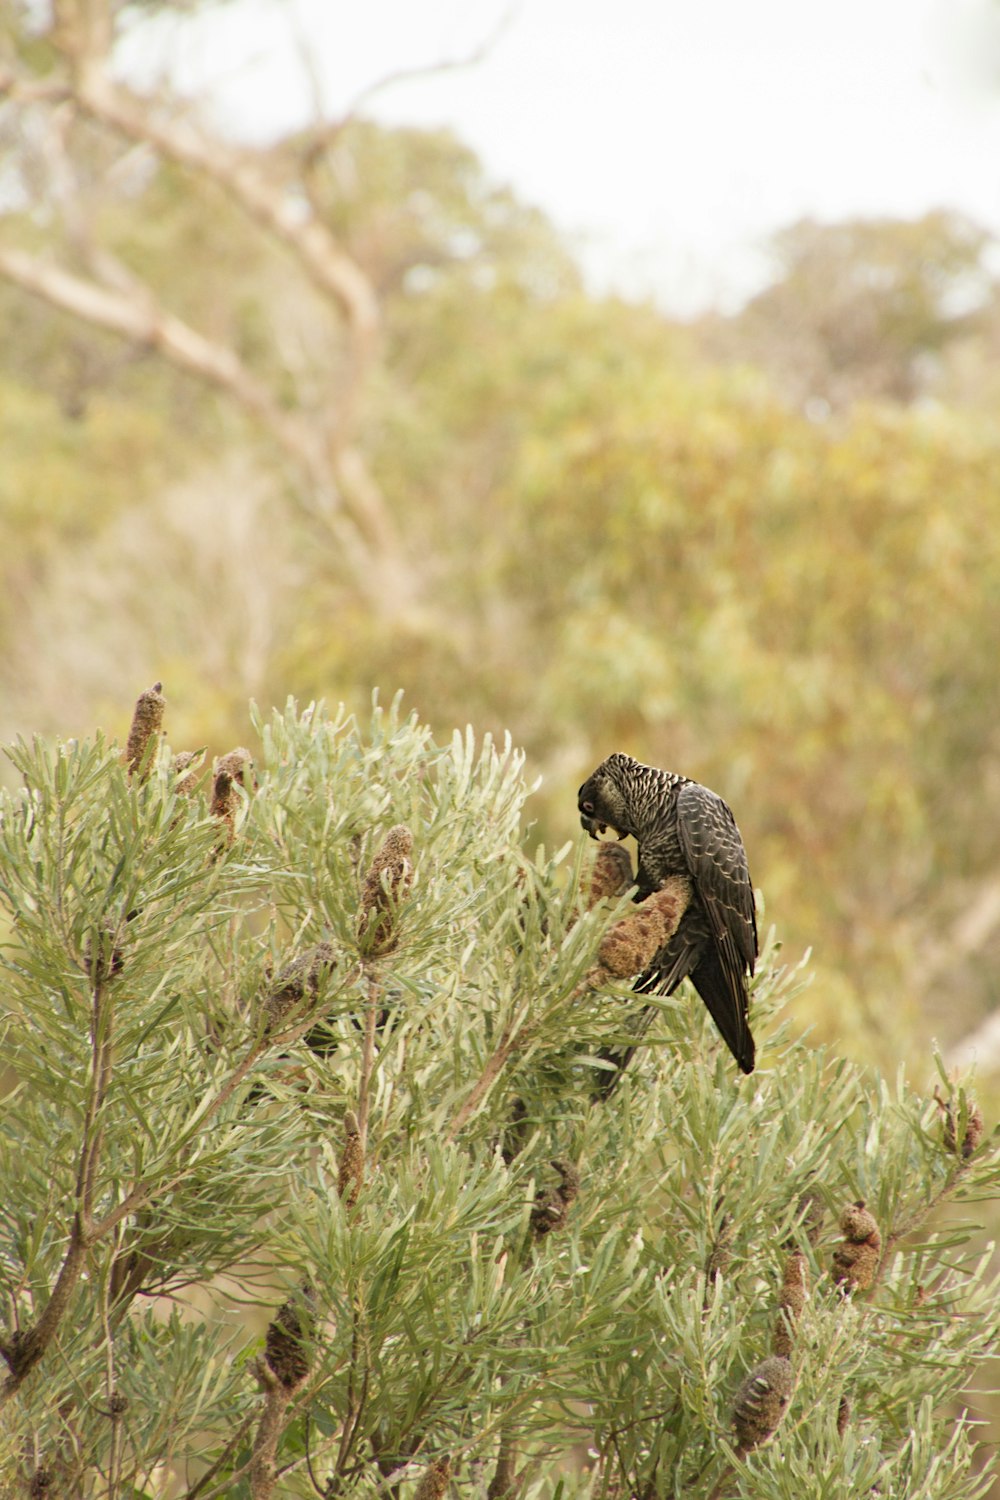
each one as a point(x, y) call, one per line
point(717, 863)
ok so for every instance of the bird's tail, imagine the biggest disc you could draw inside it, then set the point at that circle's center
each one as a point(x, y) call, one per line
point(724, 991)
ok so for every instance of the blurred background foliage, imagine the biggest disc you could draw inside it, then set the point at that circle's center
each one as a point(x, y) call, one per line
point(761, 549)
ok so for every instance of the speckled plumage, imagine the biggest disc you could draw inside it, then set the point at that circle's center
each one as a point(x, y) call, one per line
point(683, 828)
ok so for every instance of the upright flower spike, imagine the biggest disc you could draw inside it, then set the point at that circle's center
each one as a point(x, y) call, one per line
point(147, 721)
point(552, 1207)
point(855, 1261)
point(791, 1301)
point(286, 1346)
point(610, 875)
point(761, 1401)
point(351, 1173)
point(386, 886)
point(434, 1480)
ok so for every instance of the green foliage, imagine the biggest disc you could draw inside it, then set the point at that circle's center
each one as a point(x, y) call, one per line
point(171, 1149)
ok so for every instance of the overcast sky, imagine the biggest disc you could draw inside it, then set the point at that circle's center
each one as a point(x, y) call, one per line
point(667, 138)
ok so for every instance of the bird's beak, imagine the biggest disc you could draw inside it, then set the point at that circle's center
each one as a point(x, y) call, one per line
point(597, 829)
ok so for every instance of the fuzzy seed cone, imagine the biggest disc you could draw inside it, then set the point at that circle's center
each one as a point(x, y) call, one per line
point(760, 1402)
point(843, 1415)
point(352, 1162)
point(611, 874)
point(297, 982)
point(288, 1336)
point(434, 1480)
point(856, 1260)
point(630, 945)
point(551, 1207)
point(188, 784)
point(376, 918)
point(791, 1301)
point(233, 770)
point(857, 1223)
point(147, 720)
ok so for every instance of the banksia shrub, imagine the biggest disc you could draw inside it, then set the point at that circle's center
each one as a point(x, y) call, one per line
point(856, 1260)
point(147, 721)
point(386, 886)
point(761, 1401)
point(234, 770)
point(473, 1300)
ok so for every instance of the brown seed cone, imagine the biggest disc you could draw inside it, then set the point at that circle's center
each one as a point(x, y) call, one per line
point(610, 875)
point(551, 1207)
point(147, 720)
point(721, 1253)
point(761, 1400)
point(351, 1173)
point(856, 1260)
point(631, 944)
point(187, 785)
point(791, 1301)
point(434, 1480)
point(286, 1345)
point(233, 770)
point(377, 915)
point(298, 981)
point(973, 1130)
point(843, 1415)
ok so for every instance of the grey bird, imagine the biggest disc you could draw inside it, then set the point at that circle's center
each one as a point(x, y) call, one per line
point(683, 828)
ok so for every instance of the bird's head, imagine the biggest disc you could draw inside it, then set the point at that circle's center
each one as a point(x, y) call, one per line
point(602, 798)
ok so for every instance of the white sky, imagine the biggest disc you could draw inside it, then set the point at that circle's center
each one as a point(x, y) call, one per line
point(667, 138)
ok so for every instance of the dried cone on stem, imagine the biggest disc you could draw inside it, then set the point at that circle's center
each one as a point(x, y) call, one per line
point(611, 874)
point(630, 945)
point(286, 1346)
point(551, 1207)
point(434, 1480)
point(721, 1253)
point(186, 761)
point(856, 1260)
point(352, 1162)
point(297, 982)
point(791, 1301)
point(147, 721)
point(973, 1129)
point(232, 771)
point(386, 886)
point(761, 1401)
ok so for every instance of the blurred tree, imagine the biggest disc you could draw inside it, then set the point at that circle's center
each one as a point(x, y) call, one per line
point(864, 309)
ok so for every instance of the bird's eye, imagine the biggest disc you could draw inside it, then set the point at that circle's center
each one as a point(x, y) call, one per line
point(587, 807)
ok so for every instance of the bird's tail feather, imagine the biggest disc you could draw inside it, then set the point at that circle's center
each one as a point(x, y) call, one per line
point(725, 995)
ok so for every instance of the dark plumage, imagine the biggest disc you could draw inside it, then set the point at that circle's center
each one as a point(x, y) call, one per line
point(682, 828)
